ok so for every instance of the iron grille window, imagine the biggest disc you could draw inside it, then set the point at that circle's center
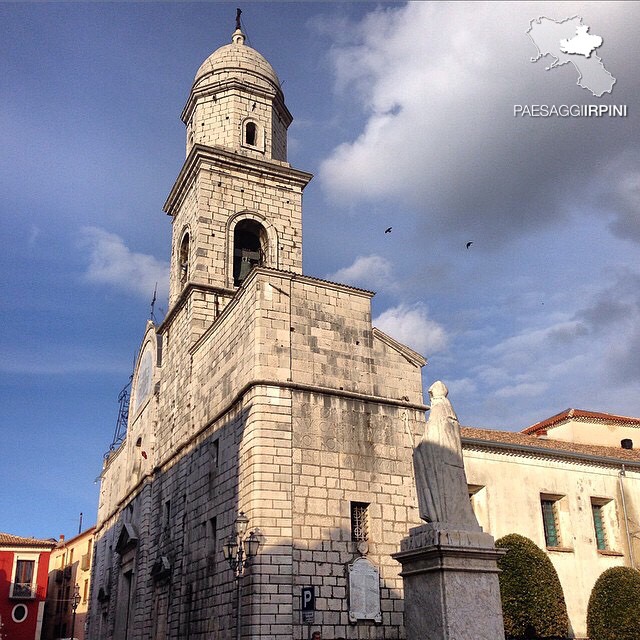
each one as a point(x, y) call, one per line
point(359, 521)
point(598, 525)
point(550, 521)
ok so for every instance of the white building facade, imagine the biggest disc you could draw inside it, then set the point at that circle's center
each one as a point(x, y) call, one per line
point(559, 484)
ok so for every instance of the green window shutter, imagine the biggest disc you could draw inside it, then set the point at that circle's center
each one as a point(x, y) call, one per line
point(601, 540)
point(550, 523)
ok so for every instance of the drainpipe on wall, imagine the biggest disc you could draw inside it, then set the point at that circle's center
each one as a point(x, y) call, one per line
point(621, 475)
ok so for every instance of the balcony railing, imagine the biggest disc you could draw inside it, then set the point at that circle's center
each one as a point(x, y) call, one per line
point(22, 591)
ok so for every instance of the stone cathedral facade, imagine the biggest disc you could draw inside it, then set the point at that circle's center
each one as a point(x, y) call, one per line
point(263, 391)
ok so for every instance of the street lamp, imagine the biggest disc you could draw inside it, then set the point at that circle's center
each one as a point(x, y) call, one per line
point(238, 550)
point(75, 601)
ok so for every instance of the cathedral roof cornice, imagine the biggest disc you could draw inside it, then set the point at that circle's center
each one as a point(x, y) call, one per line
point(201, 156)
point(412, 356)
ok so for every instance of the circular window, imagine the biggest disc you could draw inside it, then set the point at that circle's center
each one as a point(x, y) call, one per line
point(19, 613)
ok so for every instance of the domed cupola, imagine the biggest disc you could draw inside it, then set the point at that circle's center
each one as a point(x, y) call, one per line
point(236, 102)
point(236, 60)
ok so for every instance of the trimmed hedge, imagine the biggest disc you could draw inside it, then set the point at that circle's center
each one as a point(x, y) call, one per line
point(614, 605)
point(533, 603)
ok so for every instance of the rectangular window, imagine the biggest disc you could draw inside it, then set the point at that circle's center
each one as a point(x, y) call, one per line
point(597, 508)
point(167, 515)
point(550, 521)
point(213, 452)
point(23, 579)
point(212, 539)
point(85, 591)
point(359, 521)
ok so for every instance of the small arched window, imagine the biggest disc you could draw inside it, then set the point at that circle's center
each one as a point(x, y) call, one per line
point(251, 134)
point(249, 249)
point(183, 259)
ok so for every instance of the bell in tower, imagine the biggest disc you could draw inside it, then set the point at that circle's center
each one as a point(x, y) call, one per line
point(249, 250)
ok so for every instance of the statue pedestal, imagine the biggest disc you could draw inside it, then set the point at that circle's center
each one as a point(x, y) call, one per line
point(451, 589)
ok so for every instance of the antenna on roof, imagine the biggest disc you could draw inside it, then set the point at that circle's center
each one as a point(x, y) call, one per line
point(153, 302)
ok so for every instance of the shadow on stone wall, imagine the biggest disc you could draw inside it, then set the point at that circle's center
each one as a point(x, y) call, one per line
point(159, 572)
point(57, 621)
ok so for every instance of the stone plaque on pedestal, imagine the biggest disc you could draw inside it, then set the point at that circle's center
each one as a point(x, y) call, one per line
point(364, 591)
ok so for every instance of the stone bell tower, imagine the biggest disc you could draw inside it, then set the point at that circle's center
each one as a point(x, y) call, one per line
point(237, 203)
point(263, 391)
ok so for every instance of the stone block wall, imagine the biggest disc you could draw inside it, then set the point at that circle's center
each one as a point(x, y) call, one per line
point(346, 451)
point(276, 411)
point(220, 196)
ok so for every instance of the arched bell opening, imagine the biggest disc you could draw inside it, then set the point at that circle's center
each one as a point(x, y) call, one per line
point(251, 134)
point(249, 249)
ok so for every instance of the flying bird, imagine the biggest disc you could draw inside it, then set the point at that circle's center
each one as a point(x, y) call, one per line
point(469, 244)
point(388, 230)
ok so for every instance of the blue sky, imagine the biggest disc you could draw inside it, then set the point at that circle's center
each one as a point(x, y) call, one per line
point(404, 113)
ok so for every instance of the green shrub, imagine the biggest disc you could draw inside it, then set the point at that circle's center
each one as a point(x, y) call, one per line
point(614, 605)
point(532, 599)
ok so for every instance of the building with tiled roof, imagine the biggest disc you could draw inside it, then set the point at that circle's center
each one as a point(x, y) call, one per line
point(577, 425)
point(571, 484)
point(8, 539)
point(24, 565)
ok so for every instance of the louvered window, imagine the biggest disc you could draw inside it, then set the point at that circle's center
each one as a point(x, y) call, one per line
point(550, 521)
point(598, 525)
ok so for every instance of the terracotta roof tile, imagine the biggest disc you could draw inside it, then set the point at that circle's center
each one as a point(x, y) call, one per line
point(540, 428)
point(8, 539)
point(557, 447)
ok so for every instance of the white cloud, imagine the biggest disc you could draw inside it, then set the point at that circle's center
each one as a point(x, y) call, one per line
point(43, 358)
point(620, 195)
point(435, 84)
point(374, 272)
point(412, 326)
point(524, 389)
point(112, 262)
point(587, 359)
point(34, 233)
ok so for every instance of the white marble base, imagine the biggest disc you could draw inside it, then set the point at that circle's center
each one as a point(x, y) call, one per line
point(451, 589)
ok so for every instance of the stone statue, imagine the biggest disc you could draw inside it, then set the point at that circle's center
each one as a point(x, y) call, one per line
point(238, 12)
point(441, 483)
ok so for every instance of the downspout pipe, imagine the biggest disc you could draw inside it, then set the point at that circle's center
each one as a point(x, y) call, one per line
point(621, 476)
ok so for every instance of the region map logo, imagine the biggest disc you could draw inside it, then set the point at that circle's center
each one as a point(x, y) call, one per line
point(569, 41)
